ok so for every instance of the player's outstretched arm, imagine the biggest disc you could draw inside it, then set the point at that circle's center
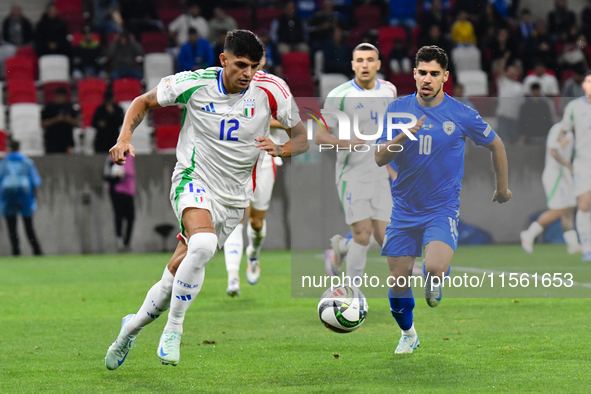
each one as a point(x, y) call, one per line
point(135, 114)
point(501, 168)
point(324, 137)
point(297, 144)
point(384, 154)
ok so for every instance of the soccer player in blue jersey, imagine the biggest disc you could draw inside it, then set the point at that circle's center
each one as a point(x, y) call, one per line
point(426, 193)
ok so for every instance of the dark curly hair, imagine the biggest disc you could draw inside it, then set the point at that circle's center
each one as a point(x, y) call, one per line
point(429, 53)
point(244, 43)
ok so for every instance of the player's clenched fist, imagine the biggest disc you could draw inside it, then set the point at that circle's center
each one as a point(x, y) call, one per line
point(119, 150)
point(502, 197)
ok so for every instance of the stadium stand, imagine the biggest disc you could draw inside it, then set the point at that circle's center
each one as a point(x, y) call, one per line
point(242, 16)
point(25, 126)
point(49, 89)
point(166, 116)
point(466, 58)
point(126, 89)
point(21, 91)
point(330, 81)
point(367, 16)
point(158, 65)
point(154, 42)
point(20, 68)
point(265, 16)
point(475, 82)
point(167, 137)
point(54, 68)
point(91, 90)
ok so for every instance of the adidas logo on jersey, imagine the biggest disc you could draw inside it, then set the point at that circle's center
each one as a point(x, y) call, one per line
point(209, 108)
point(359, 106)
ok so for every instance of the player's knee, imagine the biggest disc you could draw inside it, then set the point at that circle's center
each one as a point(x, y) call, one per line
point(362, 238)
point(202, 247)
point(584, 205)
point(256, 223)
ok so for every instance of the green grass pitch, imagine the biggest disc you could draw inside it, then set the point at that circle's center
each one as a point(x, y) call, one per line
point(58, 316)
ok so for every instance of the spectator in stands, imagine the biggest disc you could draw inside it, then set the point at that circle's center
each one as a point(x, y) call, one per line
point(510, 92)
point(17, 29)
point(542, 48)
point(51, 34)
point(435, 37)
point(502, 48)
point(140, 16)
point(323, 22)
point(106, 17)
point(402, 13)
point(107, 121)
point(399, 59)
point(525, 28)
point(435, 14)
point(58, 120)
point(272, 55)
point(196, 53)
point(505, 8)
point(179, 28)
point(472, 7)
point(19, 180)
point(220, 24)
point(572, 86)
point(337, 54)
point(125, 54)
point(573, 50)
point(544, 78)
point(487, 24)
point(287, 31)
point(459, 95)
point(586, 21)
point(445, 5)
point(535, 117)
point(86, 58)
point(462, 31)
point(560, 19)
point(121, 180)
point(306, 8)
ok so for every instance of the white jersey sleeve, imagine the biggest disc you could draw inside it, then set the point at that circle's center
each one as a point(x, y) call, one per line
point(334, 100)
point(177, 88)
point(568, 119)
point(283, 106)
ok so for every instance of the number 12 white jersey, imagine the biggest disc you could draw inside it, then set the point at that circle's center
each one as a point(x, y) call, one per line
point(216, 143)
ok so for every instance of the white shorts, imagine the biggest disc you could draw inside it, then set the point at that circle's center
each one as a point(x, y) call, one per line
point(559, 188)
point(582, 176)
point(261, 198)
point(192, 193)
point(366, 200)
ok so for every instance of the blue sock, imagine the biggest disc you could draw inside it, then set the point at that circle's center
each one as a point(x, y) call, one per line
point(401, 306)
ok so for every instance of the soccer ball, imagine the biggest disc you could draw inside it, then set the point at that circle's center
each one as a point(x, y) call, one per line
point(117, 171)
point(342, 309)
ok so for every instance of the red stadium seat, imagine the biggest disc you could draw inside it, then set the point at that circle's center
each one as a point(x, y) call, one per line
point(296, 63)
point(405, 83)
point(91, 90)
point(21, 91)
point(168, 14)
point(448, 87)
point(78, 37)
point(75, 22)
point(367, 17)
point(355, 35)
point(166, 116)
point(87, 110)
point(154, 42)
point(566, 74)
point(20, 68)
point(49, 89)
point(2, 141)
point(65, 7)
point(126, 89)
point(386, 38)
point(416, 32)
point(301, 86)
point(167, 137)
point(27, 50)
point(265, 16)
point(167, 4)
point(242, 16)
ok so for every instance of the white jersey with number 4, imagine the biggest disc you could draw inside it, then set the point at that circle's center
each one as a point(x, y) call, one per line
point(577, 117)
point(370, 107)
point(564, 146)
point(216, 143)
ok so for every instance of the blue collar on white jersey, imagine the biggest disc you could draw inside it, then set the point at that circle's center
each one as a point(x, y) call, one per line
point(221, 83)
point(356, 86)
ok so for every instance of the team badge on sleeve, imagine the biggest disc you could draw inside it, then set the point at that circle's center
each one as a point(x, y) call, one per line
point(248, 108)
point(167, 82)
point(449, 127)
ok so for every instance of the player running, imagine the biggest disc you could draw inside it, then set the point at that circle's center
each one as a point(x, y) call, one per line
point(363, 187)
point(558, 184)
point(426, 193)
point(224, 134)
point(577, 117)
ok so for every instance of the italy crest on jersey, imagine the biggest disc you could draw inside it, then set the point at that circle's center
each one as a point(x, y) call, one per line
point(449, 127)
point(248, 105)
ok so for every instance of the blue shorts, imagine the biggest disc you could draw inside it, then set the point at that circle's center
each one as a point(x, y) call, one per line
point(17, 202)
point(407, 235)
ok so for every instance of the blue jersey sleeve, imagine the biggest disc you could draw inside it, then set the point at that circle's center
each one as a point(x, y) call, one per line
point(476, 128)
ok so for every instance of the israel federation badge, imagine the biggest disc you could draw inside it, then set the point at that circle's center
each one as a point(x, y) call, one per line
point(449, 127)
point(248, 106)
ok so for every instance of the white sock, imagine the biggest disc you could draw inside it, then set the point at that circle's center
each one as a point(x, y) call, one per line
point(410, 331)
point(256, 239)
point(535, 229)
point(373, 244)
point(583, 220)
point(156, 303)
point(344, 244)
point(570, 237)
point(189, 278)
point(356, 259)
point(233, 249)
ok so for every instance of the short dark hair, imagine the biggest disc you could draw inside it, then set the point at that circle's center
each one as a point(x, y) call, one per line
point(192, 30)
point(244, 43)
point(429, 53)
point(366, 46)
point(108, 95)
point(15, 146)
point(588, 73)
point(61, 90)
point(535, 86)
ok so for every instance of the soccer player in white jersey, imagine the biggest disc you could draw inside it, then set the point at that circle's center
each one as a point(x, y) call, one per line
point(559, 187)
point(259, 204)
point(577, 117)
point(224, 133)
point(363, 187)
